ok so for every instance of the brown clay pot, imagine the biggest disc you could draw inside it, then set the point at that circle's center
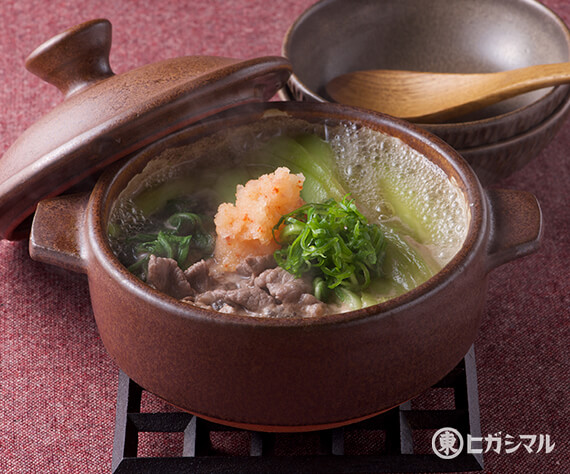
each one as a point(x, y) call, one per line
point(284, 374)
point(270, 374)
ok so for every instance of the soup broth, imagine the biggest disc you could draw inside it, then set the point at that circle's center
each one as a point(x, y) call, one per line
point(162, 225)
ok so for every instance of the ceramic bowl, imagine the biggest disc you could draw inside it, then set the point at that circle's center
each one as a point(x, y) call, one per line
point(498, 160)
point(337, 36)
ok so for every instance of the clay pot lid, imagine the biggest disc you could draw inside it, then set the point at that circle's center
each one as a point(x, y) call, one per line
point(105, 117)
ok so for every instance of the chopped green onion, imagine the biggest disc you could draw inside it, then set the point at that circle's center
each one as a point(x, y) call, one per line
point(334, 242)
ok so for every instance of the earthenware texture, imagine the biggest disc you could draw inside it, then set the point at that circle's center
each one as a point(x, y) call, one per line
point(288, 374)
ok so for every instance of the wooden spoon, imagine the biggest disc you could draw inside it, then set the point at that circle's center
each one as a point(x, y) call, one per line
point(436, 97)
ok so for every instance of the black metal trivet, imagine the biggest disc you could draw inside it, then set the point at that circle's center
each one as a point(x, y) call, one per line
point(396, 441)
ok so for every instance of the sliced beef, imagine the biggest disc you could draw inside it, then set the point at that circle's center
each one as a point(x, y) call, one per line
point(198, 276)
point(308, 305)
point(293, 295)
point(283, 285)
point(165, 275)
point(258, 287)
point(254, 265)
point(248, 298)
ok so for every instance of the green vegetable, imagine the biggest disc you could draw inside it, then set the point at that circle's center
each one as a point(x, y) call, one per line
point(307, 154)
point(406, 267)
point(334, 242)
point(226, 184)
point(349, 298)
point(155, 199)
point(166, 245)
point(403, 268)
point(404, 203)
point(184, 233)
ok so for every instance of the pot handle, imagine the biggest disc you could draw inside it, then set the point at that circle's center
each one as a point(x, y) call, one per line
point(516, 225)
point(57, 232)
point(74, 59)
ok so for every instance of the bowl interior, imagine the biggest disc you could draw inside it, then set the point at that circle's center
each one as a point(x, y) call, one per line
point(186, 151)
point(335, 36)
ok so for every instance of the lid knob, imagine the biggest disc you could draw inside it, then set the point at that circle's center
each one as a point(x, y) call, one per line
point(75, 58)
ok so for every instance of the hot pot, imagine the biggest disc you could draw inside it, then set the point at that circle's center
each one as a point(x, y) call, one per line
point(262, 373)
